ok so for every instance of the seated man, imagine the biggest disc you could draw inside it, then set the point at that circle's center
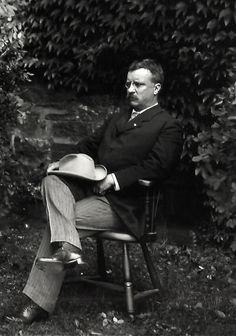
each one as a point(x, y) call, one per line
point(142, 142)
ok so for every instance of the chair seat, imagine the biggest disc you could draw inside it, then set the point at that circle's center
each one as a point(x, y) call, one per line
point(116, 235)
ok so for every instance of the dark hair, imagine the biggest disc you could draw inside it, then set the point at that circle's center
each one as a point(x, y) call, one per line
point(149, 64)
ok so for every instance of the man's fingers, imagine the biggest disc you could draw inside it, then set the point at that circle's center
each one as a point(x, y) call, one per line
point(98, 191)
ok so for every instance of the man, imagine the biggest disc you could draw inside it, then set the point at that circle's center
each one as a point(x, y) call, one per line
point(143, 142)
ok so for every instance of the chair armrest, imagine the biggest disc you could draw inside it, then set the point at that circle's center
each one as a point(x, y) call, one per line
point(146, 183)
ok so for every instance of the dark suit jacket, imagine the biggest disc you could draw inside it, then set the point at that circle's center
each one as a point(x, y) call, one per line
point(147, 147)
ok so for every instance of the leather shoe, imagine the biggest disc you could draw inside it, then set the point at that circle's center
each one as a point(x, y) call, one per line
point(29, 314)
point(60, 260)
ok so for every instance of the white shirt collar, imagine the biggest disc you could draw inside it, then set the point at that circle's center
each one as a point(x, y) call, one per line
point(136, 113)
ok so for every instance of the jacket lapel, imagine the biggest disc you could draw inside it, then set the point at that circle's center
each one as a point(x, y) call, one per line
point(123, 124)
point(146, 116)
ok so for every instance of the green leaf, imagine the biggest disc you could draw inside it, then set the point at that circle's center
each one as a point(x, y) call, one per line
point(231, 223)
point(226, 14)
point(212, 24)
point(233, 245)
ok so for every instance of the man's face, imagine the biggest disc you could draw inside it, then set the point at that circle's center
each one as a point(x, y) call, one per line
point(141, 91)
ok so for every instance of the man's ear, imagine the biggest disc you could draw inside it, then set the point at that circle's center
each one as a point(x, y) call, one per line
point(157, 88)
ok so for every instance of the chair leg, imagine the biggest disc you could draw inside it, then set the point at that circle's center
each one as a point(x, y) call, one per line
point(101, 264)
point(156, 281)
point(128, 282)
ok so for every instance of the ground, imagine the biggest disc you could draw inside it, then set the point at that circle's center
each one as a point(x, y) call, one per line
point(199, 297)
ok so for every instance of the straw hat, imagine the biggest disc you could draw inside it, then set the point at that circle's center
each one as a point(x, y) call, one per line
point(79, 165)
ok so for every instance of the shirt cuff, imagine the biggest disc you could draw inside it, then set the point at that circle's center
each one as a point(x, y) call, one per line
point(116, 184)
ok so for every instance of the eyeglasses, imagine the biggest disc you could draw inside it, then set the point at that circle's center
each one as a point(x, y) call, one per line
point(135, 84)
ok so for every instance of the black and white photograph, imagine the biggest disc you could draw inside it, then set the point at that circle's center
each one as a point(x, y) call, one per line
point(117, 168)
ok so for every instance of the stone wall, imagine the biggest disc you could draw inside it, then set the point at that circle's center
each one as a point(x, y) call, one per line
point(61, 118)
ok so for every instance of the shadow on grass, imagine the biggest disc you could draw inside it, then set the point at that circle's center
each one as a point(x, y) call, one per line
point(200, 300)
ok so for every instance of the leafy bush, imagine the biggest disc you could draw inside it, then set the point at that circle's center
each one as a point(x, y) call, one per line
point(88, 44)
point(217, 164)
point(81, 44)
point(16, 176)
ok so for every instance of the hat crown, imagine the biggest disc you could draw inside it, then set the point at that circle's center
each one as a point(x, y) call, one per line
point(80, 164)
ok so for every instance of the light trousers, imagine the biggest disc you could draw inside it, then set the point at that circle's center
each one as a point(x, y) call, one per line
point(68, 221)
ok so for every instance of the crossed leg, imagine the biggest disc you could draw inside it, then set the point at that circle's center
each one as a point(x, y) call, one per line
point(68, 221)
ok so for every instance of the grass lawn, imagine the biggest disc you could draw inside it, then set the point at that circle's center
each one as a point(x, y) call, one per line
point(199, 298)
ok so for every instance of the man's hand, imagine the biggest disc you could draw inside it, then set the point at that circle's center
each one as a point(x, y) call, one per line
point(101, 187)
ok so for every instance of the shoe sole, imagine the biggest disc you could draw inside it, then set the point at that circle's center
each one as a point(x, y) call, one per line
point(56, 266)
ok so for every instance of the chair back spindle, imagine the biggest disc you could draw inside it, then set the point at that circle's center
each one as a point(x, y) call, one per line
point(152, 199)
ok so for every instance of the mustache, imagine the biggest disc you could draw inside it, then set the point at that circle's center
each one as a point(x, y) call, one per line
point(130, 95)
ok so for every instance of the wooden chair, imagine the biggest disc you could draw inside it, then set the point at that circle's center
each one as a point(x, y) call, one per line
point(152, 198)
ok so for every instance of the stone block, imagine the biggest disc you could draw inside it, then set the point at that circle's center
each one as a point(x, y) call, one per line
point(69, 130)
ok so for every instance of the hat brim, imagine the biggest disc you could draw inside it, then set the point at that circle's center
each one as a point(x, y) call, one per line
point(100, 173)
